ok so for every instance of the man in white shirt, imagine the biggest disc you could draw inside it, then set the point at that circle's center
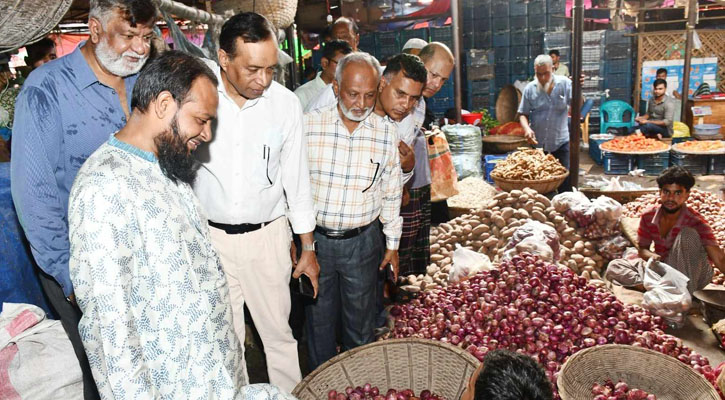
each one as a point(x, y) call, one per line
point(356, 182)
point(332, 52)
point(254, 178)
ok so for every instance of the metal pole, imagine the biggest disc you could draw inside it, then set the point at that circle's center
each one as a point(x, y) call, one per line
point(457, 53)
point(290, 36)
point(194, 14)
point(576, 91)
point(691, 22)
point(300, 66)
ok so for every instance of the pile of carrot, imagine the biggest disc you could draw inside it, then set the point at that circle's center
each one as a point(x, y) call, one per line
point(633, 143)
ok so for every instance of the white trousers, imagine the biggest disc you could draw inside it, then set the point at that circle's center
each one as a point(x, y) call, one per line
point(257, 266)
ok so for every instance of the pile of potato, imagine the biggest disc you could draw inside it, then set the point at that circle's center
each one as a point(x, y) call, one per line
point(488, 230)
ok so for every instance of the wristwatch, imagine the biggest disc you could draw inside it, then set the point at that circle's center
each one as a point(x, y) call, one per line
point(310, 247)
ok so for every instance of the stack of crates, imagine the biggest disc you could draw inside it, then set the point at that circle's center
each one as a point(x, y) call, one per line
point(592, 62)
point(716, 165)
point(618, 65)
point(480, 82)
point(618, 164)
point(696, 164)
point(654, 164)
point(387, 44)
point(367, 43)
point(443, 100)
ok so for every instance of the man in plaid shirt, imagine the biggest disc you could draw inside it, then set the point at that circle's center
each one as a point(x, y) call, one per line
point(355, 177)
point(681, 236)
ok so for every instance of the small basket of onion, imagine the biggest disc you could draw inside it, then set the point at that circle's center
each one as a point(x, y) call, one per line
point(435, 370)
point(656, 374)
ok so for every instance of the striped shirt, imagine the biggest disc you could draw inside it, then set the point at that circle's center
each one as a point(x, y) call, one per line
point(356, 176)
point(649, 230)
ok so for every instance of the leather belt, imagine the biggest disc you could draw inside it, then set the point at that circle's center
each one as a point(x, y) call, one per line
point(238, 229)
point(339, 235)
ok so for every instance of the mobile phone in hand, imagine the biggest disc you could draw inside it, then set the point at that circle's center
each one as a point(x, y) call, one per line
point(389, 274)
point(305, 287)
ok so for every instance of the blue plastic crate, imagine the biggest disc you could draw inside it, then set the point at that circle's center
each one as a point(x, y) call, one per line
point(536, 7)
point(555, 22)
point(517, 7)
point(518, 23)
point(468, 42)
point(489, 163)
point(501, 39)
point(482, 39)
point(654, 164)
point(519, 39)
point(439, 105)
point(387, 38)
point(536, 38)
point(502, 68)
point(500, 25)
point(716, 165)
point(443, 35)
point(557, 40)
point(408, 34)
point(535, 51)
point(618, 81)
point(501, 55)
point(696, 164)
point(500, 8)
point(617, 164)
point(482, 9)
point(556, 6)
point(502, 80)
point(537, 22)
point(520, 69)
point(624, 94)
point(479, 86)
point(618, 51)
point(595, 141)
point(482, 24)
point(618, 66)
point(479, 102)
point(615, 37)
point(518, 53)
point(447, 90)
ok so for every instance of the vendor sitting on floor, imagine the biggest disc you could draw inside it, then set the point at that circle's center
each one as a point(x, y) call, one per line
point(682, 237)
point(658, 122)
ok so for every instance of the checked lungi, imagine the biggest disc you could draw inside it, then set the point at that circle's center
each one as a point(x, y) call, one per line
point(414, 251)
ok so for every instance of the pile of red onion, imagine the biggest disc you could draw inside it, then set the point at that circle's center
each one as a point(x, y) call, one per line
point(538, 309)
point(372, 392)
point(619, 391)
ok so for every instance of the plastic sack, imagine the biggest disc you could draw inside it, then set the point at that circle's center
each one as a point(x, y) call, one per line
point(613, 247)
point(442, 172)
point(605, 209)
point(565, 201)
point(466, 263)
point(465, 145)
point(667, 294)
point(536, 238)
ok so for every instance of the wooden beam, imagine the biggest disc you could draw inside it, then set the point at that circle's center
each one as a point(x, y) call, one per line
point(691, 22)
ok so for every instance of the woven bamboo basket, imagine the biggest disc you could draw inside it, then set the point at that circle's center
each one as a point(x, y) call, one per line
point(416, 364)
point(622, 196)
point(499, 144)
point(542, 186)
point(656, 373)
point(25, 22)
point(281, 13)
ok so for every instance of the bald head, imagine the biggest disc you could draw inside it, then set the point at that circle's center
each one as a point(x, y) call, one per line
point(346, 30)
point(439, 62)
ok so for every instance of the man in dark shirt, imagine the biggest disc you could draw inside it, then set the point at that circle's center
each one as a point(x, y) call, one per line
point(65, 111)
point(660, 113)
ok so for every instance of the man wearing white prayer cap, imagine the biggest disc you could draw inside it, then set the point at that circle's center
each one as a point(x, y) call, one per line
point(414, 45)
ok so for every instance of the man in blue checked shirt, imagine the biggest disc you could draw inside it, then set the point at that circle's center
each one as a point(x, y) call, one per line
point(65, 111)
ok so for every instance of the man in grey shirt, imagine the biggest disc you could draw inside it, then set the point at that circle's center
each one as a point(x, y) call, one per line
point(660, 113)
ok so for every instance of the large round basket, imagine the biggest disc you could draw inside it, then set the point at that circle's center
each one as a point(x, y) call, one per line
point(416, 364)
point(658, 374)
point(622, 196)
point(542, 186)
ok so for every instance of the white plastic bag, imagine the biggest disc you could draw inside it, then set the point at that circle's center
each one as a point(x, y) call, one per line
point(466, 263)
point(535, 238)
point(564, 201)
point(667, 294)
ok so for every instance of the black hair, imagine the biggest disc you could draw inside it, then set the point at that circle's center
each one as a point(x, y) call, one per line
point(511, 376)
point(676, 175)
point(411, 66)
point(249, 26)
point(173, 71)
point(333, 47)
point(349, 21)
point(134, 11)
point(554, 52)
point(661, 70)
point(38, 50)
point(658, 82)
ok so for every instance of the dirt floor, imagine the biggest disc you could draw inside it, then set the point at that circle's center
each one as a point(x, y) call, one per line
point(696, 334)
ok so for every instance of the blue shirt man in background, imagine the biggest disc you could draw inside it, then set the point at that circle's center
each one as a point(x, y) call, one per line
point(65, 111)
point(544, 112)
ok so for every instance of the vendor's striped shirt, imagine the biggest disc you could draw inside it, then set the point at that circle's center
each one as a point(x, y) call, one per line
point(356, 176)
point(649, 230)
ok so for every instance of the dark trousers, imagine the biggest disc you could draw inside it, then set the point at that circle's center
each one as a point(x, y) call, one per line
point(347, 293)
point(562, 154)
point(652, 130)
point(70, 315)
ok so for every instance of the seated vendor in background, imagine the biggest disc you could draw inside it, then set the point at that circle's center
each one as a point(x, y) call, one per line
point(660, 113)
point(682, 237)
